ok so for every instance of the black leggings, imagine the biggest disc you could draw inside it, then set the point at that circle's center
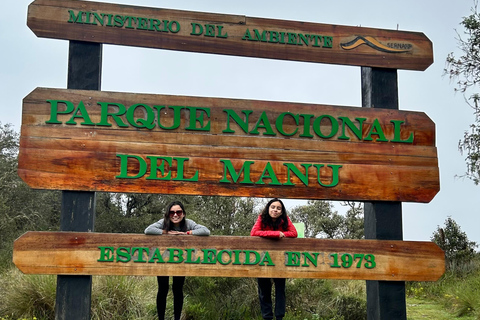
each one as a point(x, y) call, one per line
point(177, 289)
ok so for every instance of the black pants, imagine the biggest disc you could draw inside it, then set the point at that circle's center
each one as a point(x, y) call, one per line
point(177, 289)
point(265, 297)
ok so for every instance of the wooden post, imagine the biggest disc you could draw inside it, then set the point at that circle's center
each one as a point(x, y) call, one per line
point(383, 220)
point(73, 299)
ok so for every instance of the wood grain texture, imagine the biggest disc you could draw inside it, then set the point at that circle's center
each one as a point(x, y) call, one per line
point(78, 253)
point(374, 47)
point(79, 157)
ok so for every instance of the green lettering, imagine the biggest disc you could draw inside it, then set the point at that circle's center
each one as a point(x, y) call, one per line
point(106, 254)
point(247, 257)
point(292, 168)
point(140, 251)
point(327, 41)
point(115, 115)
point(176, 255)
point(190, 253)
point(142, 166)
point(247, 35)
point(266, 258)
point(292, 259)
point(335, 168)
point(279, 123)
point(220, 257)
point(209, 30)
point(154, 25)
point(243, 124)
point(271, 175)
point(141, 123)
point(209, 256)
point(76, 19)
point(195, 27)
point(180, 171)
point(358, 132)
point(397, 136)
point(154, 167)
point(219, 34)
point(292, 38)
point(262, 37)
point(123, 254)
point(265, 124)
point(54, 110)
point(156, 256)
point(83, 114)
point(177, 117)
point(97, 18)
point(273, 37)
point(376, 129)
point(303, 38)
point(333, 125)
point(228, 166)
point(306, 125)
point(142, 24)
point(312, 259)
point(237, 257)
point(177, 26)
point(194, 119)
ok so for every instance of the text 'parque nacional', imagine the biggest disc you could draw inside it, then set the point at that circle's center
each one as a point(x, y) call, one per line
point(127, 142)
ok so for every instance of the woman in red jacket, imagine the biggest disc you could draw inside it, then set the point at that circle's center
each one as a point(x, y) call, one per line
point(273, 222)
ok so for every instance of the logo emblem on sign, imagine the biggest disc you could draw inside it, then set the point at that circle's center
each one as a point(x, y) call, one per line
point(391, 47)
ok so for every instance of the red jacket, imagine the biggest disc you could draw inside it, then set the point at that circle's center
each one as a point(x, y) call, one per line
point(269, 232)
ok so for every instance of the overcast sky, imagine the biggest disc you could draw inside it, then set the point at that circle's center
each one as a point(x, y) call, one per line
point(29, 62)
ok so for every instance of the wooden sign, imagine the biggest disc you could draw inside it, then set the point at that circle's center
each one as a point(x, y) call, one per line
point(71, 253)
point(124, 142)
point(229, 34)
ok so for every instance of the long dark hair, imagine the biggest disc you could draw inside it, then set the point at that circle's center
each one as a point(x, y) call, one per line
point(166, 218)
point(281, 222)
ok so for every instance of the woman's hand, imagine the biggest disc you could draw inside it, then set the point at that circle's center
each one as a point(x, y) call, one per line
point(282, 235)
point(176, 232)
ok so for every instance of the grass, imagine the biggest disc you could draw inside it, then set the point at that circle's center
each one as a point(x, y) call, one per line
point(419, 309)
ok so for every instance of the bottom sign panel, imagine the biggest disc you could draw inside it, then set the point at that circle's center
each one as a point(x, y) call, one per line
point(224, 256)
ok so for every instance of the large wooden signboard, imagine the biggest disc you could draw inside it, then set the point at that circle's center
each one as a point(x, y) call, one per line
point(229, 34)
point(121, 142)
point(70, 253)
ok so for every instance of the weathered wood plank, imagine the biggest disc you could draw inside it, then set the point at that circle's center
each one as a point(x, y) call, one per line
point(229, 34)
point(87, 254)
point(95, 141)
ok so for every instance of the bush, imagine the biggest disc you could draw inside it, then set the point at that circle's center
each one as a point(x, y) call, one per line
point(113, 297)
point(459, 251)
point(221, 298)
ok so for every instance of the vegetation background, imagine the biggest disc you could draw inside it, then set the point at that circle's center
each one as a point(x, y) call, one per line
point(32, 297)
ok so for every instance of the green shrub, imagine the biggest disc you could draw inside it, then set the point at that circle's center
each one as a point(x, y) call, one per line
point(27, 296)
point(221, 298)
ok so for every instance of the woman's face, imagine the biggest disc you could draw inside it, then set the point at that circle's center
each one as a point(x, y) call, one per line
point(275, 210)
point(176, 214)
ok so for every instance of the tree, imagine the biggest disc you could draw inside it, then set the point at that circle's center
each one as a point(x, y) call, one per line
point(451, 239)
point(465, 70)
point(319, 218)
point(21, 208)
point(353, 227)
point(228, 215)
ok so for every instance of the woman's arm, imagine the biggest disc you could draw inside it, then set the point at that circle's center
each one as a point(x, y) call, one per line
point(156, 228)
point(291, 231)
point(196, 229)
point(258, 232)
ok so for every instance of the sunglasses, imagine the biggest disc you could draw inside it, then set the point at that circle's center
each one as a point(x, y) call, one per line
point(178, 213)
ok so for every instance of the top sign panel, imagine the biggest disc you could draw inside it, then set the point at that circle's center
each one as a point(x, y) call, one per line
point(229, 34)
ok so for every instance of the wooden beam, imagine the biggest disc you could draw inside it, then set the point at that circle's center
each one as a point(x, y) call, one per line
point(229, 34)
point(199, 148)
point(226, 256)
